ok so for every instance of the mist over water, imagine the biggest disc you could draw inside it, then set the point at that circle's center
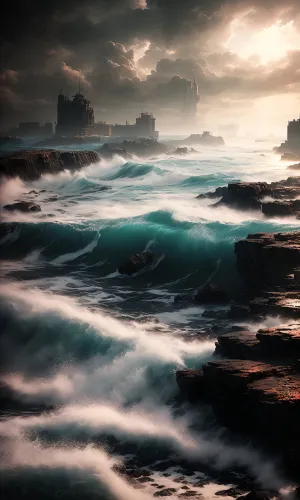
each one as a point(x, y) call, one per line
point(90, 372)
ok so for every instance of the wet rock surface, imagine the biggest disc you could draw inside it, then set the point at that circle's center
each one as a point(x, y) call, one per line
point(31, 164)
point(253, 384)
point(256, 397)
point(268, 259)
point(273, 199)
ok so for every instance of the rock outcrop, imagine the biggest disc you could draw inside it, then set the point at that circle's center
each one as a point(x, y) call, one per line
point(257, 390)
point(139, 147)
point(108, 152)
point(136, 263)
point(184, 151)
point(289, 157)
point(267, 258)
point(31, 164)
point(273, 199)
point(206, 139)
point(23, 206)
point(254, 384)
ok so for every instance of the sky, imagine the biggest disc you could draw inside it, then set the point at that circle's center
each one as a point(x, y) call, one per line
point(134, 55)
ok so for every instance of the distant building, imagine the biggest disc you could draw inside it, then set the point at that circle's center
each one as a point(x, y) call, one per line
point(33, 129)
point(144, 127)
point(293, 132)
point(99, 128)
point(292, 144)
point(74, 116)
point(191, 99)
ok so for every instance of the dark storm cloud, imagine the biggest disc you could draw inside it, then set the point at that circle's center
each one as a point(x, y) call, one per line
point(46, 45)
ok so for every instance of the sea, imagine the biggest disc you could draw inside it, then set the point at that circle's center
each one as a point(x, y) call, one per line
point(91, 408)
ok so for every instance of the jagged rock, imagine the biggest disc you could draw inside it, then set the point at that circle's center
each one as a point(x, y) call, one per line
point(267, 258)
point(181, 151)
point(289, 157)
point(106, 151)
point(251, 196)
point(31, 164)
point(136, 263)
point(191, 384)
point(139, 147)
point(218, 193)
point(210, 293)
point(239, 345)
point(245, 195)
point(205, 138)
point(23, 206)
point(281, 342)
point(253, 397)
point(284, 303)
point(281, 208)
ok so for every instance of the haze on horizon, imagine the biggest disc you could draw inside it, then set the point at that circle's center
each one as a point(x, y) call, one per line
point(136, 54)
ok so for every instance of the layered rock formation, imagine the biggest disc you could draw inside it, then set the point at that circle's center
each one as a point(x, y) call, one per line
point(30, 165)
point(257, 390)
point(268, 259)
point(254, 384)
point(273, 199)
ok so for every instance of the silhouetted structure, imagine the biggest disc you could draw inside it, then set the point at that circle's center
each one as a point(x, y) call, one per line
point(99, 128)
point(33, 129)
point(292, 144)
point(144, 127)
point(74, 116)
point(191, 99)
point(293, 132)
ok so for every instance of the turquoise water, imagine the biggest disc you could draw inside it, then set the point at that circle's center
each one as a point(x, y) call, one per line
point(73, 340)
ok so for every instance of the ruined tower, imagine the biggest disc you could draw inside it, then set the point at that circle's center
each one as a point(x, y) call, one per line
point(73, 116)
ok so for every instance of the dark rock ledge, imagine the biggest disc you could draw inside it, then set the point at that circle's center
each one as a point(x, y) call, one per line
point(273, 199)
point(30, 165)
point(253, 384)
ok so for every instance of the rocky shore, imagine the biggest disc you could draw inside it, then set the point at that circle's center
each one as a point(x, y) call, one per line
point(30, 165)
point(253, 384)
point(273, 199)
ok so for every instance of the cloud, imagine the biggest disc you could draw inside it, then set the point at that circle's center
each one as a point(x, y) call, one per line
point(50, 44)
